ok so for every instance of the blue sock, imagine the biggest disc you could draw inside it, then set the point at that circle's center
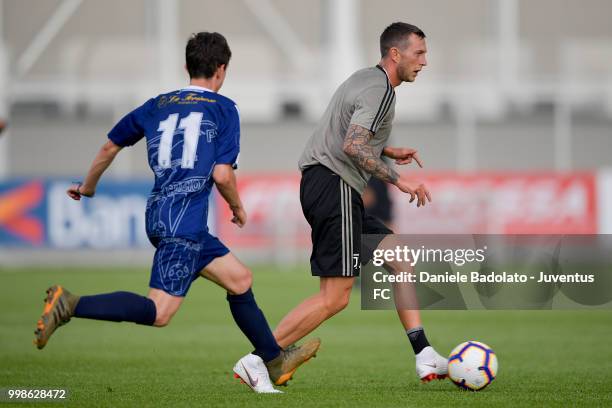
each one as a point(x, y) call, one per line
point(117, 307)
point(253, 324)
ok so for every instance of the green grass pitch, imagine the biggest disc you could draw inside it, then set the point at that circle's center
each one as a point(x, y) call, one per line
point(546, 358)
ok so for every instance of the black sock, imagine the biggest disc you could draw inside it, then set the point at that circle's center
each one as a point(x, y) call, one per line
point(117, 307)
point(253, 324)
point(417, 339)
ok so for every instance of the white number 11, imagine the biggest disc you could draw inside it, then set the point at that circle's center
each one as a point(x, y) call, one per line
point(191, 134)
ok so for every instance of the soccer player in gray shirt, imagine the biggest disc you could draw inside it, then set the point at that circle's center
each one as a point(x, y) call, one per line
point(344, 151)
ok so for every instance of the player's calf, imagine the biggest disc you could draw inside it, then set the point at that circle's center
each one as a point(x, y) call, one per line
point(333, 297)
point(61, 305)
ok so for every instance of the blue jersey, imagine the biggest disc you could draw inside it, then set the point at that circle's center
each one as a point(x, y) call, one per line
point(188, 132)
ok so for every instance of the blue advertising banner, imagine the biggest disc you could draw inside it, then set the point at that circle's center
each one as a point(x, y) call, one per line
point(37, 213)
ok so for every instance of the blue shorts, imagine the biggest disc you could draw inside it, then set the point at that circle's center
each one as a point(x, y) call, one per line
point(178, 262)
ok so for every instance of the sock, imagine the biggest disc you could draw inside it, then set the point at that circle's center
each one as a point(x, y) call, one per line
point(117, 307)
point(417, 339)
point(253, 324)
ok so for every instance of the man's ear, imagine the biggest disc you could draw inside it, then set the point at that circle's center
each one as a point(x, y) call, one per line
point(220, 70)
point(394, 54)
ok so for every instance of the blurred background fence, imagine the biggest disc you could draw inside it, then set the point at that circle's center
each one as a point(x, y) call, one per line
point(512, 116)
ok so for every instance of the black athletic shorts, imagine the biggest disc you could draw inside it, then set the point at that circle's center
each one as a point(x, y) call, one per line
point(335, 212)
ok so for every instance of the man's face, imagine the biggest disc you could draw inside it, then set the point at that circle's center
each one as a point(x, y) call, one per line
point(410, 58)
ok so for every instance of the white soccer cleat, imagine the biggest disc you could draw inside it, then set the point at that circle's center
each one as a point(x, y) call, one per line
point(253, 372)
point(430, 365)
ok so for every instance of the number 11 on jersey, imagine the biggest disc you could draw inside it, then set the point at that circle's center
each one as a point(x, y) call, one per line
point(190, 126)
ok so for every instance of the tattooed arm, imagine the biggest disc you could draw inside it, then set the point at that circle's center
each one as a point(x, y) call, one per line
point(357, 147)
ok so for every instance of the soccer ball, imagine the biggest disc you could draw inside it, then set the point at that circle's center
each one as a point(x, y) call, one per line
point(472, 365)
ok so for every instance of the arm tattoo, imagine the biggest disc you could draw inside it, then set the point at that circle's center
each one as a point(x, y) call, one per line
point(357, 147)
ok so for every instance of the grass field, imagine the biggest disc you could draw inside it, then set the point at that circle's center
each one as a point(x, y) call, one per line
point(546, 358)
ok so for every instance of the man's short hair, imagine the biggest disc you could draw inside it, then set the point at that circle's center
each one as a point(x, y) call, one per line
point(205, 52)
point(395, 35)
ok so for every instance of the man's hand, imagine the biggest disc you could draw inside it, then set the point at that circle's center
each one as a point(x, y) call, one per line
point(76, 191)
point(402, 155)
point(415, 189)
point(240, 216)
point(225, 180)
point(103, 159)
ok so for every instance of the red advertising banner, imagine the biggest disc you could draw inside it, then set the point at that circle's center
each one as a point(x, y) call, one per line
point(502, 203)
point(275, 218)
point(483, 203)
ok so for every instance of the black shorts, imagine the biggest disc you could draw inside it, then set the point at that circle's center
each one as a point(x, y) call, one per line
point(336, 215)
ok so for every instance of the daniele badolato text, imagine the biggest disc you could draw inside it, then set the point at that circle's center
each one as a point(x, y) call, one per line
point(478, 277)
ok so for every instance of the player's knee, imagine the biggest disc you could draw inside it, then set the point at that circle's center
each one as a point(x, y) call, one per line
point(396, 267)
point(163, 314)
point(242, 282)
point(162, 319)
point(335, 303)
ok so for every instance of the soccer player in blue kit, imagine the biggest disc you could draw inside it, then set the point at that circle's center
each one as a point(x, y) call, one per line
point(193, 139)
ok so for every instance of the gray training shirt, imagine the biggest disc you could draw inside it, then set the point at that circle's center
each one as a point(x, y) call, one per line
point(366, 99)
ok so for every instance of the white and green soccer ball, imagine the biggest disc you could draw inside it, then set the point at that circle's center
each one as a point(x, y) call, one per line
point(472, 365)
